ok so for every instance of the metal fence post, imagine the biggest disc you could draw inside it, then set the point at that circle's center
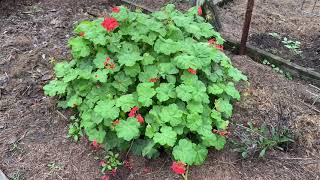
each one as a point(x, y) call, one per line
point(246, 27)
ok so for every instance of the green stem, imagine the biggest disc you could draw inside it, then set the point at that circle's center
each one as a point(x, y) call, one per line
point(185, 176)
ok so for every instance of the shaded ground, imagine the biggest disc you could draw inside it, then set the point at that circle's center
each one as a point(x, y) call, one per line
point(283, 17)
point(33, 142)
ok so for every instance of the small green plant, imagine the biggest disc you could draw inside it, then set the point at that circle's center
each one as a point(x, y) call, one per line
point(275, 35)
point(16, 175)
point(159, 81)
point(278, 70)
point(111, 162)
point(294, 46)
point(253, 140)
point(53, 166)
point(75, 130)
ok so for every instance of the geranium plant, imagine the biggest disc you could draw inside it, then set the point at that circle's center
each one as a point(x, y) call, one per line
point(157, 81)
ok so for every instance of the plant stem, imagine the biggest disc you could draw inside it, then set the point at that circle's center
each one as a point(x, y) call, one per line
point(185, 176)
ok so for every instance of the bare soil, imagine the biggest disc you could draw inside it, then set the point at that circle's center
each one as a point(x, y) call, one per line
point(33, 142)
point(284, 17)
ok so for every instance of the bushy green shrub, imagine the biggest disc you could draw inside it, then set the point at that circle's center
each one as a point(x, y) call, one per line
point(153, 81)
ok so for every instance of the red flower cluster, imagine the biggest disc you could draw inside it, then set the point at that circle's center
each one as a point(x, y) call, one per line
point(192, 71)
point(178, 167)
point(220, 47)
point(114, 172)
point(153, 80)
point(105, 177)
point(140, 119)
point(110, 24)
point(81, 34)
point(115, 122)
point(199, 11)
point(212, 41)
point(102, 163)
point(133, 113)
point(109, 65)
point(116, 9)
point(221, 133)
point(127, 164)
point(95, 144)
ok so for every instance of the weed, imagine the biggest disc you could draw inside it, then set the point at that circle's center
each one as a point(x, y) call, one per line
point(253, 140)
point(278, 70)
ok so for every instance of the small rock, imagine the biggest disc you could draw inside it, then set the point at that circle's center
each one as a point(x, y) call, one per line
point(46, 77)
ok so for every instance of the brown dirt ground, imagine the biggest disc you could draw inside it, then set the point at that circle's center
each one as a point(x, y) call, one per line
point(33, 131)
point(283, 17)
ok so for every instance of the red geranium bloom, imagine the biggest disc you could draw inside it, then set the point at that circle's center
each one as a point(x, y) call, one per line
point(114, 172)
point(107, 61)
point(110, 24)
point(220, 47)
point(212, 41)
point(140, 119)
point(153, 80)
point(133, 111)
point(95, 144)
point(81, 34)
point(221, 133)
point(116, 9)
point(102, 163)
point(112, 66)
point(116, 122)
point(192, 71)
point(105, 177)
point(199, 11)
point(178, 167)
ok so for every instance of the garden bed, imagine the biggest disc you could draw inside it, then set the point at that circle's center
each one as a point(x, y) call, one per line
point(33, 142)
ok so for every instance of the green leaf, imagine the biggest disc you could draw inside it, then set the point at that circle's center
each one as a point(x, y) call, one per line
point(107, 109)
point(132, 71)
point(236, 75)
point(55, 87)
point(149, 72)
point(165, 91)
point(184, 152)
point(145, 93)
point(201, 154)
point(167, 68)
point(74, 101)
point(96, 134)
point(232, 91)
point(147, 59)
point(167, 46)
point(129, 59)
point(195, 107)
point(194, 121)
point(167, 136)
point(224, 106)
point(126, 102)
point(80, 47)
point(101, 75)
point(100, 58)
point(215, 89)
point(150, 150)
point(128, 129)
point(121, 82)
point(61, 69)
point(184, 92)
point(171, 114)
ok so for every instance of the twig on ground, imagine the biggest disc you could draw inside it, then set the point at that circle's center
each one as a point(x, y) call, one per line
point(64, 117)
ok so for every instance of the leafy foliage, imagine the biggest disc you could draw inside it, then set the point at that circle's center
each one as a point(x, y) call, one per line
point(153, 80)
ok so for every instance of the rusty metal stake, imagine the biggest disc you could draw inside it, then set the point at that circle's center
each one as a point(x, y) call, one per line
point(246, 27)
